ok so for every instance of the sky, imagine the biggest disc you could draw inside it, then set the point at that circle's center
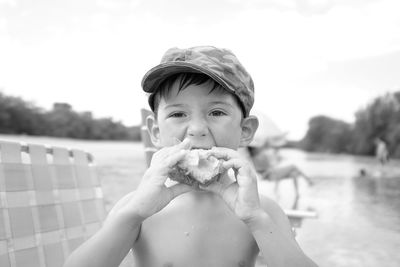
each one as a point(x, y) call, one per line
point(306, 57)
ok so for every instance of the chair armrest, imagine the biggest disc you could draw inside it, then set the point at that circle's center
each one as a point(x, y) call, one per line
point(296, 217)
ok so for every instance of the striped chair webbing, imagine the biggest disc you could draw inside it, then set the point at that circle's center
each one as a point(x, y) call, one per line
point(149, 148)
point(50, 202)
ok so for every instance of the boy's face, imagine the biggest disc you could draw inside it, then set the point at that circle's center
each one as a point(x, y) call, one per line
point(207, 118)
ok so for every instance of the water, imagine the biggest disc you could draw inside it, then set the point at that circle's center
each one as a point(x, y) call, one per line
point(358, 220)
point(359, 216)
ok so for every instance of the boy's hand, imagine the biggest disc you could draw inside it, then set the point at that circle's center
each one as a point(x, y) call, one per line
point(152, 195)
point(242, 195)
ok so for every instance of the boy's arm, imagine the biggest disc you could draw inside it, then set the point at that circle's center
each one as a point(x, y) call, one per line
point(268, 224)
point(111, 243)
point(109, 246)
point(272, 232)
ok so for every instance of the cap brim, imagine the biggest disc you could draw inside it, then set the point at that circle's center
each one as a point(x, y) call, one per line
point(154, 77)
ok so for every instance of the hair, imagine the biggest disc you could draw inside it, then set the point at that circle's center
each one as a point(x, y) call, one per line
point(185, 80)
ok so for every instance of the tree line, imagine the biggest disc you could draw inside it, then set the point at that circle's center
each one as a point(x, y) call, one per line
point(379, 119)
point(18, 116)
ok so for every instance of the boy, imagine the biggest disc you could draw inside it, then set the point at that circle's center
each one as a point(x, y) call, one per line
point(201, 98)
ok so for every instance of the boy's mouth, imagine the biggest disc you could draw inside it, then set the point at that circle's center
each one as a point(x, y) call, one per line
point(199, 147)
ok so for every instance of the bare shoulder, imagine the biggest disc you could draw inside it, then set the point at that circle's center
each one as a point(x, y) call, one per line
point(277, 215)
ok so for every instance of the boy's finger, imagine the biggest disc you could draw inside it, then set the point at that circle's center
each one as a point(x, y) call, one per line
point(233, 163)
point(185, 144)
point(242, 173)
point(174, 158)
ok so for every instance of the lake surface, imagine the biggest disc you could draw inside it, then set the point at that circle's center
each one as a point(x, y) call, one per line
point(359, 216)
point(358, 220)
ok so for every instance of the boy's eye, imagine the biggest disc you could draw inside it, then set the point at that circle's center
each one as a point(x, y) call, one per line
point(177, 115)
point(217, 113)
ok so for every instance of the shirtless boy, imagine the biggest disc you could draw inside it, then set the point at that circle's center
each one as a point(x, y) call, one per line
point(201, 98)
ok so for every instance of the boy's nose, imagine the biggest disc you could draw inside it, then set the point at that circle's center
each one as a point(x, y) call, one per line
point(197, 128)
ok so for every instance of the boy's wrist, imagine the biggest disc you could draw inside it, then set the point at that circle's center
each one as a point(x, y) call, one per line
point(130, 220)
point(258, 221)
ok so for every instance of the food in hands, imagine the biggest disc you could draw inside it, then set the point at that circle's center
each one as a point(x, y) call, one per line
point(197, 168)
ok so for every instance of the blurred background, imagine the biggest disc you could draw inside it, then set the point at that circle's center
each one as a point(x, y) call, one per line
point(327, 81)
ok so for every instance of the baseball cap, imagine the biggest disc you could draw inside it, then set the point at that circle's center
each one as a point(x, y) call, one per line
point(219, 64)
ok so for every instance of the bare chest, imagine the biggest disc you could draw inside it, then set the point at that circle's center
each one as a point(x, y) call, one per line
point(195, 230)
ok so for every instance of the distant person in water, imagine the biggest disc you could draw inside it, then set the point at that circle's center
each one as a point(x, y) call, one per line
point(363, 172)
point(267, 162)
point(381, 151)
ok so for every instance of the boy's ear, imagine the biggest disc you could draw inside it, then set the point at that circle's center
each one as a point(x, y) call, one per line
point(249, 128)
point(154, 130)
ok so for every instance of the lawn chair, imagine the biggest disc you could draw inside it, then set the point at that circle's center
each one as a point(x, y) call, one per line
point(296, 217)
point(149, 148)
point(50, 202)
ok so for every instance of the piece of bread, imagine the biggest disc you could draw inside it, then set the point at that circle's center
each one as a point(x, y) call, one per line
point(197, 168)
